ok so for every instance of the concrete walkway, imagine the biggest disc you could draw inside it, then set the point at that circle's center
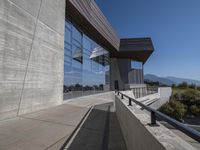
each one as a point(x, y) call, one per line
point(47, 129)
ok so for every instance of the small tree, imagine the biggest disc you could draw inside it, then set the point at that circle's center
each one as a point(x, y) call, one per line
point(173, 85)
point(192, 86)
point(183, 85)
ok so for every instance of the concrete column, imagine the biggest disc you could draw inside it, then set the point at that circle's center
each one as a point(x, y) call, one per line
point(119, 69)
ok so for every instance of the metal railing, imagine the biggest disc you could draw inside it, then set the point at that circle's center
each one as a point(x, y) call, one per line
point(156, 114)
point(144, 91)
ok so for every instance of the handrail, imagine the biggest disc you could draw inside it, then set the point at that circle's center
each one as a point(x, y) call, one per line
point(154, 114)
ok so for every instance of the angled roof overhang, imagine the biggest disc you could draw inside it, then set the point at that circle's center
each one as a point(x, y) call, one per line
point(88, 17)
point(139, 49)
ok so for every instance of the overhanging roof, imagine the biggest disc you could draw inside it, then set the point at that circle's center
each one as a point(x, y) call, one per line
point(139, 49)
point(89, 18)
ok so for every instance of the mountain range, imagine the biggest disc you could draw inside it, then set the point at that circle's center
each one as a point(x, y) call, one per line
point(169, 80)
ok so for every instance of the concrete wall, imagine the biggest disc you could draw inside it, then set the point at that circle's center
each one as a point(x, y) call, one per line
point(31, 55)
point(164, 96)
point(141, 136)
point(155, 100)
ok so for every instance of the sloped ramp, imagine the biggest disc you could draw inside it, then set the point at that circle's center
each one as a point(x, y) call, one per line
point(100, 131)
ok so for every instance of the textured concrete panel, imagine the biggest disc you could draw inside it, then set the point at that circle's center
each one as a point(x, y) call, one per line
point(16, 33)
point(31, 50)
point(31, 6)
point(44, 79)
point(53, 14)
point(43, 86)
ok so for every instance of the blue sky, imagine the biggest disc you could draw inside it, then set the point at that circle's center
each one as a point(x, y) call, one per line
point(173, 25)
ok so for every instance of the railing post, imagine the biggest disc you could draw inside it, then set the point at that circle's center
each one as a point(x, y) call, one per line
point(122, 96)
point(153, 118)
point(129, 102)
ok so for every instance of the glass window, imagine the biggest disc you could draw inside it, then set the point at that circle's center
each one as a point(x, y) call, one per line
point(76, 35)
point(86, 65)
point(86, 43)
point(68, 25)
point(68, 35)
point(67, 46)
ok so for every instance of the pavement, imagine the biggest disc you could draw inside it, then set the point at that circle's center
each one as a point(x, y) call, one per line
point(47, 129)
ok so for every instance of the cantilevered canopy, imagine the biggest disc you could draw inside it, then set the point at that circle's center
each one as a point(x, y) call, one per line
point(86, 15)
point(138, 49)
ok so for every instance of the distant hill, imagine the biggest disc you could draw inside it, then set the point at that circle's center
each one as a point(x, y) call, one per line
point(169, 80)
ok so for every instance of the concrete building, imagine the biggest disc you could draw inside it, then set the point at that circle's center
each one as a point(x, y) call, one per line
point(46, 44)
point(63, 57)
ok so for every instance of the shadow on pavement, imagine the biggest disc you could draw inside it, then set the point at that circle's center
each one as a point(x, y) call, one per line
point(101, 131)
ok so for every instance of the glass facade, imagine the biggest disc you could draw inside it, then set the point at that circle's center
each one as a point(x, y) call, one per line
point(86, 65)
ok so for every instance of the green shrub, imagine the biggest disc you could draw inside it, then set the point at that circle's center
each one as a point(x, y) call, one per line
point(189, 94)
point(174, 109)
point(190, 97)
point(184, 101)
point(175, 96)
point(195, 110)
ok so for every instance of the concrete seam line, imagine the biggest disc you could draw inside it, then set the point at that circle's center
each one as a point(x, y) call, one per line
point(76, 130)
point(7, 119)
point(51, 122)
point(29, 56)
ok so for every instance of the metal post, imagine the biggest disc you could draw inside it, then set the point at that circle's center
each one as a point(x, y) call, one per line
point(122, 96)
point(129, 102)
point(153, 118)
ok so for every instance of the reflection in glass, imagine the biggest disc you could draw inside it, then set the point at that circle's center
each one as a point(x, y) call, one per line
point(86, 65)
